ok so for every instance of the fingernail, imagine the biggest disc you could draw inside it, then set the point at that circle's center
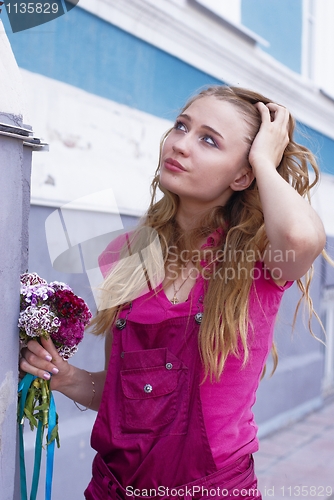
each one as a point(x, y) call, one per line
point(47, 376)
point(48, 357)
point(55, 370)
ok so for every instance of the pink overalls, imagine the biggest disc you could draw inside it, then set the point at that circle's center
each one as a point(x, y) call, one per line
point(150, 430)
point(159, 432)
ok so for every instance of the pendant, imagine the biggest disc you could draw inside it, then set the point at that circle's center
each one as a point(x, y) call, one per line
point(174, 300)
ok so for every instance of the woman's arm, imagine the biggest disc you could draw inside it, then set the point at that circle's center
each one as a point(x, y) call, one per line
point(295, 232)
point(75, 383)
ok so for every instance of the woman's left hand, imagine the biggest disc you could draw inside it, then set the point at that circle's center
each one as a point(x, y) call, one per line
point(272, 138)
point(295, 232)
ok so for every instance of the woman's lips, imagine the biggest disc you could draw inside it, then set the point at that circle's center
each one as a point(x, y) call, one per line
point(173, 165)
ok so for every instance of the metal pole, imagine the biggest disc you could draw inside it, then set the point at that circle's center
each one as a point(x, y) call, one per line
point(16, 145)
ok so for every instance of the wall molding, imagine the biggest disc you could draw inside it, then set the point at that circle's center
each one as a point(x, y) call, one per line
point(209, 44)
point(289, 417)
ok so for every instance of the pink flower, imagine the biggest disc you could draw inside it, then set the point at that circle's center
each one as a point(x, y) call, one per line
point(70, 332)
point(52, 310)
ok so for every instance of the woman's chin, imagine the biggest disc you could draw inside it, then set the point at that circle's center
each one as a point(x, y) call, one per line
point(170, 186)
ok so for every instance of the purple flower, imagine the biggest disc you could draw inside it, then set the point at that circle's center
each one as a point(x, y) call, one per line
point(29, 279)
point(37, 322)
point(58, 285)
point(56, 322)
point(67, 352)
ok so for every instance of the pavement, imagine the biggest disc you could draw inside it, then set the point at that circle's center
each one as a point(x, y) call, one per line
point(298, 460)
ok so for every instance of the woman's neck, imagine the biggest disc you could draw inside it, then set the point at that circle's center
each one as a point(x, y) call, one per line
point(188, 217)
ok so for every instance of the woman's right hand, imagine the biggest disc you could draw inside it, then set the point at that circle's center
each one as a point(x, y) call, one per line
point(42, 360)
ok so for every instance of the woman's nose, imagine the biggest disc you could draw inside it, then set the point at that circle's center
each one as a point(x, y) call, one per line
point(182, 145)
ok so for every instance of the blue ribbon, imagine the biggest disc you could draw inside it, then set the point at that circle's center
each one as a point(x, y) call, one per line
point(51, 448)
point(24, 386)
point(37, 461)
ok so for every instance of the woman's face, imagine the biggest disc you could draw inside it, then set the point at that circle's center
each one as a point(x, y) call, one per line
point(204, 158)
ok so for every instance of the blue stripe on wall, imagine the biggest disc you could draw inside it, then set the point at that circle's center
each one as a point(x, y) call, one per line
point(84, 51)
point(321, 146)
point(279, 22)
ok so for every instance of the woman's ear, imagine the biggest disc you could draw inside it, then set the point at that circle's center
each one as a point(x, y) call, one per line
point(243, 180)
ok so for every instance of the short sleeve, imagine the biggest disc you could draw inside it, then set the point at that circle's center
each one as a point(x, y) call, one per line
point(266, 274)
point(111, 254)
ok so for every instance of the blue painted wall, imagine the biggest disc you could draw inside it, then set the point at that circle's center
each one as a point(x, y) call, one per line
point(83, 50)
point(320, 145)
point(280, 23)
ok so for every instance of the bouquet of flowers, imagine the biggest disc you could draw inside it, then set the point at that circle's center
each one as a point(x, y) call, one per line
point(49, 310)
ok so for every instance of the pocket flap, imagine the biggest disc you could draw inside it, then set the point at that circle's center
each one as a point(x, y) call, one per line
point(149, 382)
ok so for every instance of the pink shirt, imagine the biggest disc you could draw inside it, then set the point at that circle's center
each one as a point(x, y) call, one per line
point(227, 404)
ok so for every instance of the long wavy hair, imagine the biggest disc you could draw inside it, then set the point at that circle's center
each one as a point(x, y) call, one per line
point(225, 322)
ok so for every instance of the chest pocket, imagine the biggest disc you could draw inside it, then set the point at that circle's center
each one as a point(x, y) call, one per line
point(155, 393)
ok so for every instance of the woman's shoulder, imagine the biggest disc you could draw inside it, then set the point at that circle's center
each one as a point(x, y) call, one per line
point(139, 245)
point(113, 252)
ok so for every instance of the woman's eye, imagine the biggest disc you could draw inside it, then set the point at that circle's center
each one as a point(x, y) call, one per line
point(209, 140)
point(180, 126)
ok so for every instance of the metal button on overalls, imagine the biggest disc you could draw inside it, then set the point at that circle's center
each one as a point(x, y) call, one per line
point(120, 323)
point(198, 318)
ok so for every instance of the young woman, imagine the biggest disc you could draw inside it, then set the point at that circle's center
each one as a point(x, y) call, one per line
point(184, 359)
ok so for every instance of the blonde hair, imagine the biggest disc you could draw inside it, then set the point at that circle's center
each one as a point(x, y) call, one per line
point(226, 300)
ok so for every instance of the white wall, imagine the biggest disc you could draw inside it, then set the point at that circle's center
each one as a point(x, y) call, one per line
point(11, 94)
point(324, 45)
point(95, 144)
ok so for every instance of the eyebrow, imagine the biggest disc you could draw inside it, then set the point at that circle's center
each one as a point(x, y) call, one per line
point(207, 127)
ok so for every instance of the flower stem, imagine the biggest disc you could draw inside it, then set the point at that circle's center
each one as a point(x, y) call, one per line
point(45, 401)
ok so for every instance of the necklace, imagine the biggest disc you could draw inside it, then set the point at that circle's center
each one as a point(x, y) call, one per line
point(175, 300)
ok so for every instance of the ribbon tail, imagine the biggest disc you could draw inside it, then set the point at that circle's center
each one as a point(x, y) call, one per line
point(23, 477)
point(37, 462)
point(23, 388)
point(50, 448)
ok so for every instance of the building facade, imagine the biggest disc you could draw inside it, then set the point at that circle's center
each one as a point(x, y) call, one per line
point(103, 83)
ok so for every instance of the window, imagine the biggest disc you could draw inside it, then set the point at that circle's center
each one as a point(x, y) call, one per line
point(230, 10)
point(308, 39)
point(230, 13)
point(328, 320)
point(318, 44)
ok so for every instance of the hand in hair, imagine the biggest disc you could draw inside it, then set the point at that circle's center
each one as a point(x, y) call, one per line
point(272, 139)
point(295, 232)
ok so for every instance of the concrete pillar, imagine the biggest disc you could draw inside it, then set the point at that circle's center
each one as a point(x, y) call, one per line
point(16, 145)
